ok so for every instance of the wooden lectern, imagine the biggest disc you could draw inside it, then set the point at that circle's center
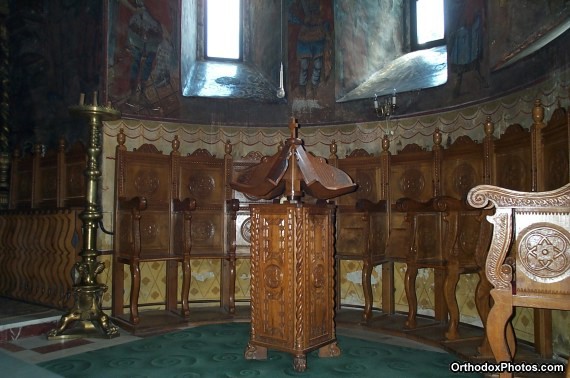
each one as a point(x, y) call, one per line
point(292, 253)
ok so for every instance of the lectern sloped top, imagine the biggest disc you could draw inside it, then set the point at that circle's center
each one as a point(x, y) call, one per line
point(292, 170)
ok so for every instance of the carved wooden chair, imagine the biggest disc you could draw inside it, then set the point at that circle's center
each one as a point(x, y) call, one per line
point(239, 214)
point(464, 164)
point(362, 226)
point(534, 225)
point(205, 178)
point(151, 224)
point(411, 189)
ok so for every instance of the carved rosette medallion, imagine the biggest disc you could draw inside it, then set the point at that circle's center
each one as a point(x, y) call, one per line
point(412, 183)
point(146, 183)
point(202, 230)
point(464, 177)
point(201, 186)
point(544, 252)
point(245, 230)
point(273, 276)
point(149, 232)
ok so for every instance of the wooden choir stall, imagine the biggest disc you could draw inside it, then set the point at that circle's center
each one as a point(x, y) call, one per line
point(292, 253)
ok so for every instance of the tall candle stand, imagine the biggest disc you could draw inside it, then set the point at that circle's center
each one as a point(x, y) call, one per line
point(86, 319)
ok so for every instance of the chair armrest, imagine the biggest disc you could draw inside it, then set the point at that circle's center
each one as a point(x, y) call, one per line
point(408, 204)
point(232, 205)
point(187, 204)
point(366, 205)
point(135, 203)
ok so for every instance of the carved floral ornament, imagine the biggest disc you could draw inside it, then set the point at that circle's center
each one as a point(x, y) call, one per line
point(146, 183)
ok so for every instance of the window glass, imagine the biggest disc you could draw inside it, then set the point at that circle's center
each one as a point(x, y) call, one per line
point(429, 21)
point(223, 29)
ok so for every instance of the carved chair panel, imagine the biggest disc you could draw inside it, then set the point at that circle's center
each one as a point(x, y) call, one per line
point(21, 181)
point(427, 238)
point(352, 233)
point(513, 164)
point(411, 174)
point(207, 232)
point(555, 150)
point(243, 233)
point(203, 181)
point(47, 180)
point(461, 167)
point(365, 172)
point(542, 248)
point(147, 176)
point(74, 176)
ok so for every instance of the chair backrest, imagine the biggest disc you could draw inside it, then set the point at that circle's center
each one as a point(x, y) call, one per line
point(204, 178)
point(552, 152)
point(49, 178)
point(462, 167)
point(146, 173)
point(362, 226)
point(512, 166)
point(241, 231)
point(21, 180)
point(535, 225)
point(72, 175)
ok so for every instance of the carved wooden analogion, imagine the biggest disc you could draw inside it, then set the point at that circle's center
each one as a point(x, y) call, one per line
point(292, 247)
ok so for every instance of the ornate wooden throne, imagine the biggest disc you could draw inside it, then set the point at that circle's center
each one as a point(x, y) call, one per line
point(529, 259)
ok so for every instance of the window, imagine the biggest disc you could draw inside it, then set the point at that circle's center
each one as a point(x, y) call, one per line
point(223, 29)
point(236, 68)
point(427, 23)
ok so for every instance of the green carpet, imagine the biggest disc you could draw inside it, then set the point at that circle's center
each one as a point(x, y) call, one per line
point(217, 351)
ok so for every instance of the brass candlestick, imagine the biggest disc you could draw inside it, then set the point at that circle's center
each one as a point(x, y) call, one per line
point(86, 319)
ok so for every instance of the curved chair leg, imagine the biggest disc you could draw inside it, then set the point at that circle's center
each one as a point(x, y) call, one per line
point(135, 290)
point(483, 304)
point(450, 285)
point(185, 292)
point(232, 286)
point(367, 289)
point(496, 326)
point(410, 288)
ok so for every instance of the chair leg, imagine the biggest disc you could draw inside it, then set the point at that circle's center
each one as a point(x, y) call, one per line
point(450, 286)
point(410, 288)
point(185, 290)
point(232, 286)
point(135, 290)
point(118, 288)
point(367, 289)
point(496, 327)
point(483, 304)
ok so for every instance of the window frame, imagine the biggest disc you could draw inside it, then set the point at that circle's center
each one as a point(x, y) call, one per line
point(415, 46)
point(205, 31)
